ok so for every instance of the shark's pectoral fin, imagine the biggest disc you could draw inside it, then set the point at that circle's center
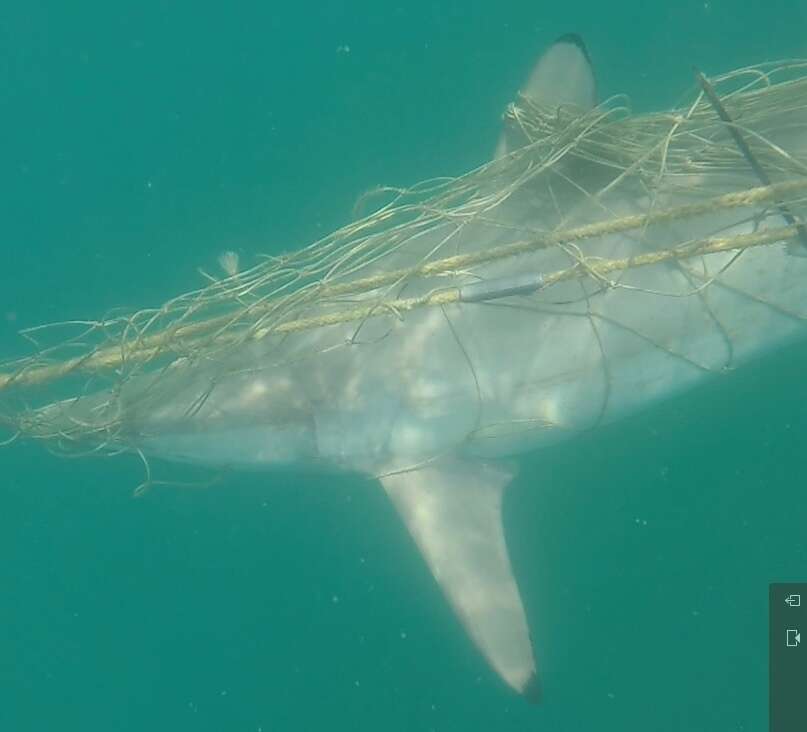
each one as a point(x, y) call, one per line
point(453, 511)
point(562, 77)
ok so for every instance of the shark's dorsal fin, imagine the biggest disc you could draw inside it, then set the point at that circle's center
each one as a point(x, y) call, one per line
point(562, 77)
point(453, 511)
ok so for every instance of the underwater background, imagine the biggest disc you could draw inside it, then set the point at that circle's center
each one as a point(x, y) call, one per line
point(139, 142)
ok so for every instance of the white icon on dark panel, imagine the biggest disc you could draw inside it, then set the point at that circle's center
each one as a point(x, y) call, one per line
point(793, 600)
point(793, 637)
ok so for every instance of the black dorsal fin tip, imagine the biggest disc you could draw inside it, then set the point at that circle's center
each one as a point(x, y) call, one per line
point(576, 40)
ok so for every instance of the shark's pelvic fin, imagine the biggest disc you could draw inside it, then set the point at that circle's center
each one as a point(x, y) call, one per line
point(452, 509)
point(562, 77)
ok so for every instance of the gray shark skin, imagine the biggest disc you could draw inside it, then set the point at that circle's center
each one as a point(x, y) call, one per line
point(434, 403)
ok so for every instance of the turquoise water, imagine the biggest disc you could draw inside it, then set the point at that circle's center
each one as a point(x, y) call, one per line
point(139, 144)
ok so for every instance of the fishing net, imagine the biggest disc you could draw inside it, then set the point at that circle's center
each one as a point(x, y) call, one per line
point(636, 208)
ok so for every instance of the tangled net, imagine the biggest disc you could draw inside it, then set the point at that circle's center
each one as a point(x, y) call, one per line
point(515, 229)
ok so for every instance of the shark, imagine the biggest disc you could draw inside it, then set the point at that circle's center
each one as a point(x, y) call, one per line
point(438, 405)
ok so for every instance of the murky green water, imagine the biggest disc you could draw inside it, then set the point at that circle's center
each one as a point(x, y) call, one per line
point(140, 143)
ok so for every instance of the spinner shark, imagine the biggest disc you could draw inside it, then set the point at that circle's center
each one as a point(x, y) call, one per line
point(436, 404)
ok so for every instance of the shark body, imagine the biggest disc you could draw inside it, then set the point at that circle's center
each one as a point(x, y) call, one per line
point(434, 404)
